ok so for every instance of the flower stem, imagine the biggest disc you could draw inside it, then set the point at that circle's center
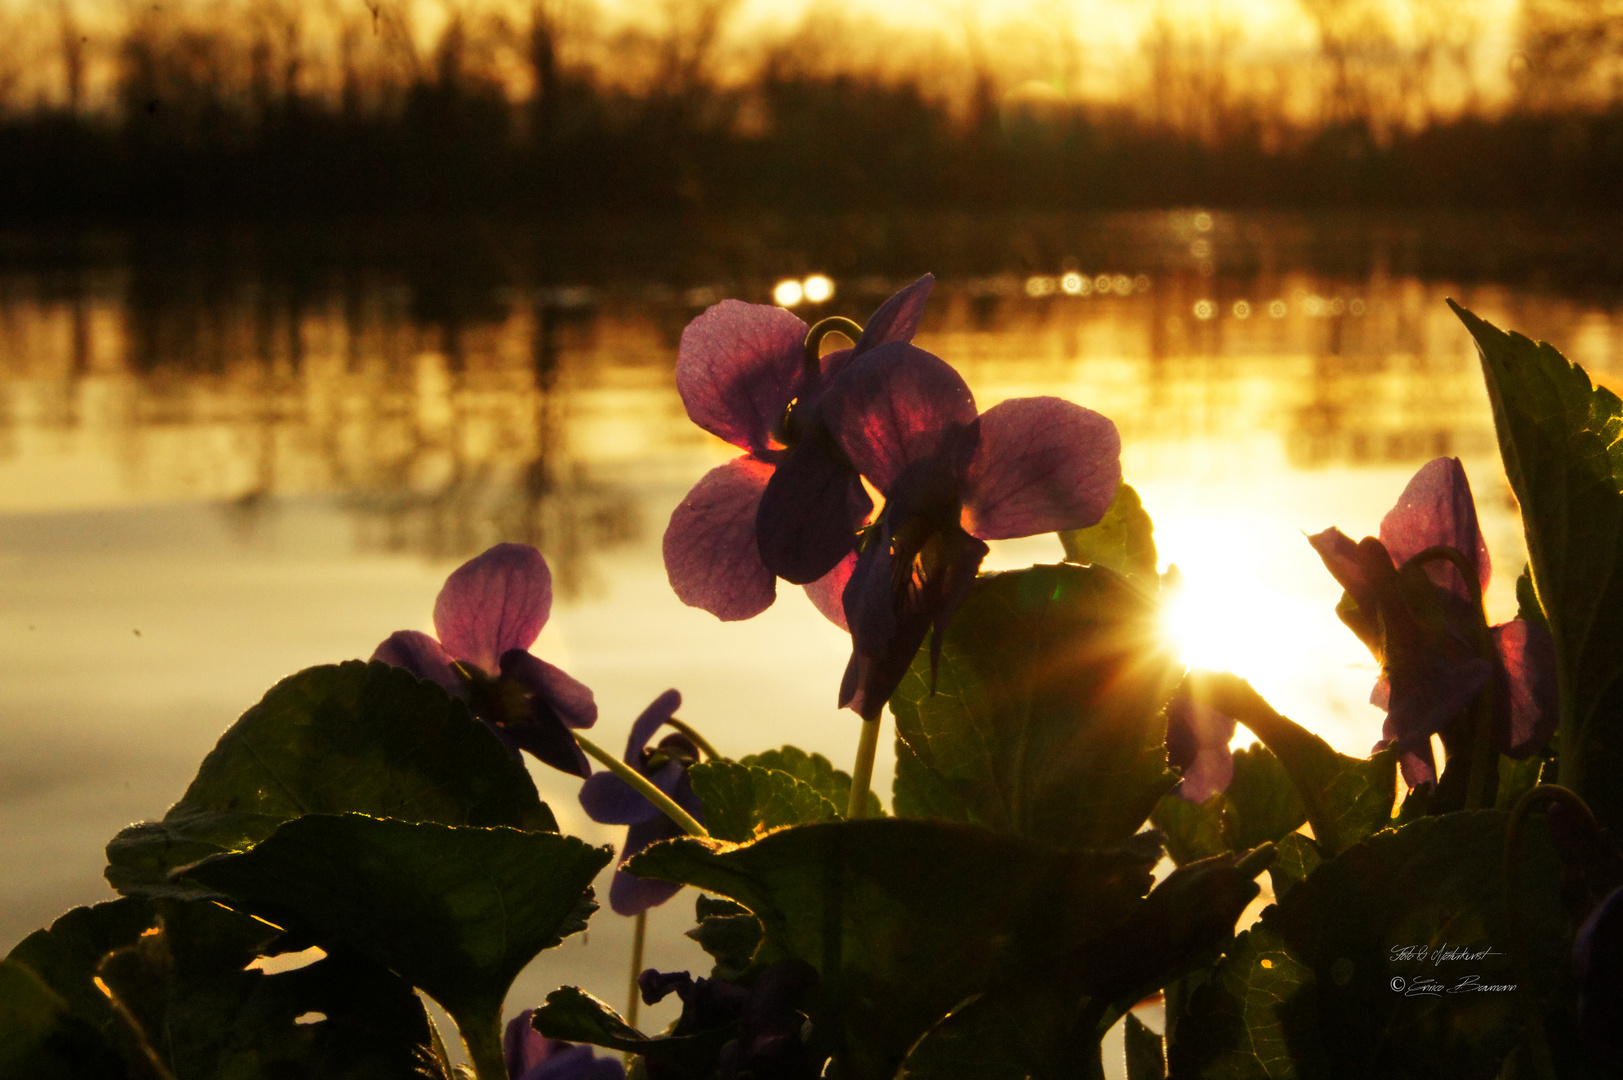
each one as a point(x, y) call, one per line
point(698, 740)
point(862, 772)
point(484, 1045)
point(640, 784)
point(834, 324)
point(639, 938)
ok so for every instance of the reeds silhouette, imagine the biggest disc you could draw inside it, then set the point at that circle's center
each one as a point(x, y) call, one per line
point(282, 109)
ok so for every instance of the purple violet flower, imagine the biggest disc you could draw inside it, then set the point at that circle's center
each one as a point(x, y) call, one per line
point(530, 1055)
point(772, 1026)
point(1431, 668)
point(952, 479)
point(1198, 746)
point(791, 504)
point(612, 801)
point(489, 612)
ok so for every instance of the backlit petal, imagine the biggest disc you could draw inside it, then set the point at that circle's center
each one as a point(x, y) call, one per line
point(1043, 465)
point(897, 318)
point(1435, 510)
point(828, 591)
point(711, 555)
point(419, 654)
point(894, 405)
point(1528, 654)
point(736, 369)
point(632, 895)
point(569, 698)
point(492, 603)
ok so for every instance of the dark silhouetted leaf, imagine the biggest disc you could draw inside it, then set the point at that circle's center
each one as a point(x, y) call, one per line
point(1145, 1058)
point(573, 1015)
point(729, 932)
point(1046, 720)
point(1192, 830)
point(1260, 805)
point(1295, 857)
point(743, 801)
point(1345, 798)
point(906, 919)
point(1562, 443)
point(1123, 541)
point(458, 912)
point(65, 956)
point(353, 737)
point(40, 1036)
point(1309, 991)
point(188, 1003)
point(814, 769)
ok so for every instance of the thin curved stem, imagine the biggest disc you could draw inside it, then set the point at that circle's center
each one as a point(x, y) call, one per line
point(862, 771)
point(640, 783)
point(698, 740)
point(834, 324)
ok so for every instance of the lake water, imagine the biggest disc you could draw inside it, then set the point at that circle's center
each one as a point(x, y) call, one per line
point(211, 477)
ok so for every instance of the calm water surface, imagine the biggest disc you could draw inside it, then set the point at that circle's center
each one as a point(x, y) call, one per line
point(204, 489)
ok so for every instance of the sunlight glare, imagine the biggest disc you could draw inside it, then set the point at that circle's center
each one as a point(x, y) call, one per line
point(818, 288)
point(788, 293)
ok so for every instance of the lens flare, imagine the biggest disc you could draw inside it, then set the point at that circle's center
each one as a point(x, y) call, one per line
point(788, 293)
point(818, 288)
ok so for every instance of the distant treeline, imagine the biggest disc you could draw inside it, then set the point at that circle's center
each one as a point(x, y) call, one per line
point(499, 117)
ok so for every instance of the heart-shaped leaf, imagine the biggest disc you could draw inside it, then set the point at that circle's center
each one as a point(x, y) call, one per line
point(1046, 715)
point(743, 801)
point(814, 769)
point(352, 737)
point(458, 912)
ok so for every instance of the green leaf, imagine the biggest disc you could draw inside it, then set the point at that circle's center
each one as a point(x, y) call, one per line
point(1192, 830)
point(1309, 992)
point(457, 912)
point(1260, 803)
point(1046, 717)
point(918, 791)
point(1295, 857)
point(905, 919)
point(65, 956)
point(1123, 541)
point(1562, 443)
point(1050, 1027)
point(814, 769)
point(187, 1003)
point(744, 801)
point(1345, 798)
point(729, 932)
point(41, 1038)
point(1145, 1060)
point(573, 1015)
point(352, 737)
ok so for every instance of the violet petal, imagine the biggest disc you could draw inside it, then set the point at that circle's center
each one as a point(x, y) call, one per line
point(1044, 465)
point(494, 602)
point(736, 369)
point(632, 895)
point(1528, 654)
point(523, 1047)
point(1418, 766)
point(897, 319)
point(711, 556)
point(1430, 691)
point(655, 716)
point(1436, 509)
point(419, 654)
point(543, 734)
point(808, 516)
point(609, 800)
point(828, 592)
point(1208, 774)
point(569, 698)
point(893, 406)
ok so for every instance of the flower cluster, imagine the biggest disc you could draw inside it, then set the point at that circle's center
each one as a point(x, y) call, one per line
point(896, 417)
